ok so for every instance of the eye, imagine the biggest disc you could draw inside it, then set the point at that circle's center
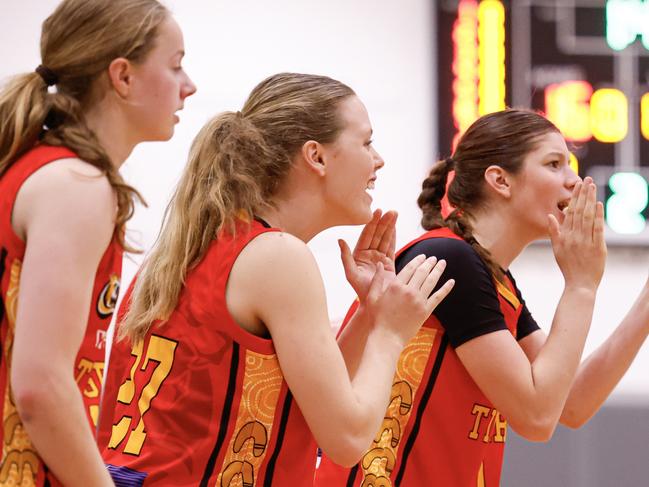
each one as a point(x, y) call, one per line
point(555, 164)
point(369, 143)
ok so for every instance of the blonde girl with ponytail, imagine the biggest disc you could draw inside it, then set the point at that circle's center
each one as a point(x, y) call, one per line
point(110, 78)
point(227, 368)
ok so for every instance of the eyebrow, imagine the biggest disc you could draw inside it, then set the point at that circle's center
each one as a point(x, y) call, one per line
point(556, 154)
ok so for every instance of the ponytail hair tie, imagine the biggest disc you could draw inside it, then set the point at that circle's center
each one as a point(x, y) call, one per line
point(49, 77)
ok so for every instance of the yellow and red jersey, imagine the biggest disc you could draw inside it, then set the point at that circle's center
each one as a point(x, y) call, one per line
point(201, 401)
point(439, 428)
point(21, 465)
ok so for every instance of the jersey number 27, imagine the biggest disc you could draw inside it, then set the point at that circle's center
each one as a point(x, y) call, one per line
point(161, 351)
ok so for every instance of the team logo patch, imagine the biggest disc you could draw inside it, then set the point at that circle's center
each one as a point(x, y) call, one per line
point(108, 297)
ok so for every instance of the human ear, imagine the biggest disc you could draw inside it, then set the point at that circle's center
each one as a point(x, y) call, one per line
point(120, 76)
point(312, 153)
point(498, 180)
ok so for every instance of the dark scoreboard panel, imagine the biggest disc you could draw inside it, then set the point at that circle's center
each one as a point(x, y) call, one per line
point(583, 63)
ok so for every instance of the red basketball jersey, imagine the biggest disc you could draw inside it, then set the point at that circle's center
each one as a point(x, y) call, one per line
point(21, 465)
point(439, 429)
point(201, 401)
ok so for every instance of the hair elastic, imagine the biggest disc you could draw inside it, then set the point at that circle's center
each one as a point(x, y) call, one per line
point(47, 74)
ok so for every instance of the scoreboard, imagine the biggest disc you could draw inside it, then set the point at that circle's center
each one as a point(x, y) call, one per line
point(583, 63)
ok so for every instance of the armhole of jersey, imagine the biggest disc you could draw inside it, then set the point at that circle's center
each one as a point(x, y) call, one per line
point(239, 334)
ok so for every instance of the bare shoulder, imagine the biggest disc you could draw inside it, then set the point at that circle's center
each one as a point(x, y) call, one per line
point(276, 248)
point(65, 192)
point(68, 193)
point(272, 273)
point(278, 257)
point(72, 173)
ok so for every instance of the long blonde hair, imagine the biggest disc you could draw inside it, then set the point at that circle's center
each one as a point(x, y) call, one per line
point(236, 165)
point(78, 42)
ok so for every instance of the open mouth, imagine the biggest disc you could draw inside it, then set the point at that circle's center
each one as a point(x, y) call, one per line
point(370, 184)
point(562, 205)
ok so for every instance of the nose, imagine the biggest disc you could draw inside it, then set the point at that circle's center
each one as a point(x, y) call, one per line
point(188, 88)
point(572, 178)
point(378, 160)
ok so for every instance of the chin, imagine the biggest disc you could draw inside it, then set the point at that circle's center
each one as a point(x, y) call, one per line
point(163, 137)
point(162, 133)
point(167, 135)
point(360, 217)
point(364, 216)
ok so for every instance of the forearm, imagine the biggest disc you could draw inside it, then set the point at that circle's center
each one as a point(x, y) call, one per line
point(361, 410)
point(352, 341)
point(375, 373)
point(554, 368)
point(602, 370)
point(54, 416)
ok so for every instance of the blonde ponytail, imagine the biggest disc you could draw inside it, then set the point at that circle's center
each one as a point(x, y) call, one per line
point(236, 165)
point(24, 104)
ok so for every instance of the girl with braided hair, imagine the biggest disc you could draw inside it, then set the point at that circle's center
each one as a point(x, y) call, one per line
point(110, 78)
point(481, 362)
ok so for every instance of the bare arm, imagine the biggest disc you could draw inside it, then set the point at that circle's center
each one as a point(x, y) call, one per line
point(65, 211)
point(598, 375)
point(531, 392)
point(343, 414)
